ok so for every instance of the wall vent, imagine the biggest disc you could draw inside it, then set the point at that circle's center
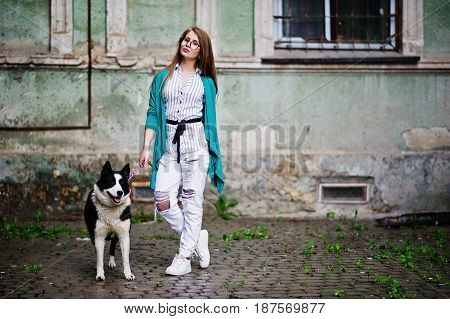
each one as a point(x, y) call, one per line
point(344, 193)
point(141, 192)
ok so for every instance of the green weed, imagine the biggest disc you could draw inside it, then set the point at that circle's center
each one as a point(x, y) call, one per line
point(12, 230)
point(307, 270)
point(33, 268)
point(223, 205)
point(241, 282)
point(307, 250)
point(360, 227)
point(436, 258)
point(142, 218)
point(339, 293)
point(369, 270)
point(264, 271)
point(342, 267)
point(341, 236)
point(394, 289)
point(226, 286)
point(330, 214)
point(334, 248)
point(439, 237)
point(408, 255)
point(159, 283)
point(436, 278)
point(285, 244)
point(158, 237)
point(407, 260)
point(258, 233)
point(82, 232)
point(386, 251)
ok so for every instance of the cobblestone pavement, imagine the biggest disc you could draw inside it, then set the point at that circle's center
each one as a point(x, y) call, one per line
point(346, 262)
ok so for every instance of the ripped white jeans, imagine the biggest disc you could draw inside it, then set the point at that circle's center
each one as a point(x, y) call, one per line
point(191, 173)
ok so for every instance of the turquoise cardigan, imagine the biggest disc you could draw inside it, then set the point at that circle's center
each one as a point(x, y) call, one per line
point(156, 120)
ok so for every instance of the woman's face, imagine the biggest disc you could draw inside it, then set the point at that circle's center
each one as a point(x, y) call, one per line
point(190, 46)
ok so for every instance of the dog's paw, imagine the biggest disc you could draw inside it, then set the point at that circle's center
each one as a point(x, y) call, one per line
point(112, 263)
point(100, 277)
point(129, 276)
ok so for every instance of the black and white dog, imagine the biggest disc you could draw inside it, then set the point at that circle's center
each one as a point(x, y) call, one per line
point(108, 217)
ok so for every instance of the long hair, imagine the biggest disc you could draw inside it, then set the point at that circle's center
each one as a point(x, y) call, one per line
point(205, 60)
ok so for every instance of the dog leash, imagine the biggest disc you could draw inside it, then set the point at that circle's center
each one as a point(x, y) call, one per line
point(136, 171)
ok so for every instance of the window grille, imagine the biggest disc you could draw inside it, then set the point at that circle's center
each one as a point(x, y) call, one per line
point(336, 24)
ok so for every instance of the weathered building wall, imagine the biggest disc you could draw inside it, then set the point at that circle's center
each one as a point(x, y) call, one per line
point(17, 33)
point(235, 41)
point(383, 125)
point(436, 35)
point(43, 98)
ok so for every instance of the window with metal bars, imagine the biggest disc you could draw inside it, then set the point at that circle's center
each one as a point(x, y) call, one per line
point(336, 24)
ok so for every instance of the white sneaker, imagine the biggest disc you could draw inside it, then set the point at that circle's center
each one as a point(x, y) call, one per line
point(180, 266)
point(202, 251)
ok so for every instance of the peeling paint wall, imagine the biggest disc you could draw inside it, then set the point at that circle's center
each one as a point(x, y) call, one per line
point(284, 130)
point(119, 106)
point(43, 98)
point(436, 29)
point(397, 183)
point(425, 139)
point(27, 33)
point(235, 41)
point(154, 26)
point(370, 117)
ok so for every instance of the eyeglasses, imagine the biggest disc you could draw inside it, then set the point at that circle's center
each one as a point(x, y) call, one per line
point(193, 44)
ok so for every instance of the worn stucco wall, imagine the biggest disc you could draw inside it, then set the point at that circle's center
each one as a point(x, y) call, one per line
point(378, 115)
point(154, 26)
point(50, 98)
point(389, 129)
point(364, 136)
point(371, 117)
point(24, 26)
point(436, 29)
point(119, 105)
point(235, 41)
point(98, 26)
point(52, 170)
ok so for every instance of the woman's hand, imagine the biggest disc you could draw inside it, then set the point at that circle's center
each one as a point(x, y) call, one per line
point(145, 154)
point(144, 157)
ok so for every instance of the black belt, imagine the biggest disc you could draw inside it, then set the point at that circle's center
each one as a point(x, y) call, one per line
point(181, 126)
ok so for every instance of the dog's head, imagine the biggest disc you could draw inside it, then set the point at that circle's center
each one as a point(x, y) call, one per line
point(114, 184)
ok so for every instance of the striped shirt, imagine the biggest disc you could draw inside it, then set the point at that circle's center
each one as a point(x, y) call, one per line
point(185, 104)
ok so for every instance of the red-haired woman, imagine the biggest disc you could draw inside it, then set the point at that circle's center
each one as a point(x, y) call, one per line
point(182, 115)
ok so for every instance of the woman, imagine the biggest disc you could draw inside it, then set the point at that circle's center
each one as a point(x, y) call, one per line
point(182, 114)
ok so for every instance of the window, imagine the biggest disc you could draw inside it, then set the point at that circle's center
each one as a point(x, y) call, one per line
point(342, 193)
point(336, 24)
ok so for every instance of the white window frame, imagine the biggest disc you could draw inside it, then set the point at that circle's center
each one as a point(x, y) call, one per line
point(300, 43)
point(61, 27)
point(343, 200)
